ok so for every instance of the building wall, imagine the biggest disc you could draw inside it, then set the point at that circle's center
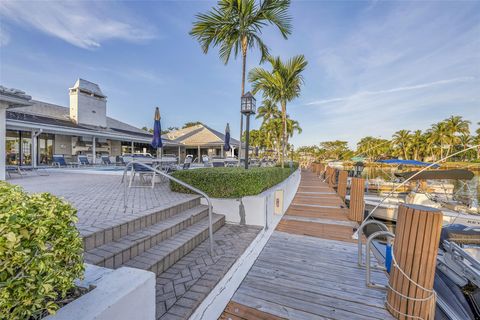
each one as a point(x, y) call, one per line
point(87, 109)
point(115, 148)
point(63, 144)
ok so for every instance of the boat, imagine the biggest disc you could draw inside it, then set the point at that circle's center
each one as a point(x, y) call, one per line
point(457, 276)
point(454, 210)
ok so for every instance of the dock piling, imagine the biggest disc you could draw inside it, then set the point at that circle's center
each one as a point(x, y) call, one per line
point(357, 201)
point(410, 294)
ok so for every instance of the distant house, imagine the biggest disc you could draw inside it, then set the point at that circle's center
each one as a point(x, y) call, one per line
point(201, 140)
point(37, 130)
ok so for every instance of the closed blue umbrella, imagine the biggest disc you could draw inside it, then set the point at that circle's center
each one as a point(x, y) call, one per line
point(157, 131)
point(226, 146)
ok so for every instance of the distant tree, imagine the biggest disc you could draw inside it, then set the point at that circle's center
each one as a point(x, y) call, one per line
point(337, 150)
point(402, 140)
point(147, 129)
point(191, 124)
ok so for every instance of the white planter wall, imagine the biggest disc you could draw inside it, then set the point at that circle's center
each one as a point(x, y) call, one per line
point(121, 294)
point(259, 209)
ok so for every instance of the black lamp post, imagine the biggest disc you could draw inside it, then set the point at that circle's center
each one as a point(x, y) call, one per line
point(358, 168)
point(247, 108)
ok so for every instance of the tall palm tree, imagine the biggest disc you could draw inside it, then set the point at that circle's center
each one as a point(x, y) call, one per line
point(402, 140)
point(456, 127)
point(282, 84)
point(236, 25)
point(416, 143)
point(268, 110)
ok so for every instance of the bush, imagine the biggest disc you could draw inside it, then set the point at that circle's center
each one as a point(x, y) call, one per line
point(230, 182)
point(40, 252)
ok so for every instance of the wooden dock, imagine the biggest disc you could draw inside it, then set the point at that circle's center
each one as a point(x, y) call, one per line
point(308, 269)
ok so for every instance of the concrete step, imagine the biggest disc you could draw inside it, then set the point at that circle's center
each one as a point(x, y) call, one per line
point(160, 257)
point(115, 253)
point(129, 226)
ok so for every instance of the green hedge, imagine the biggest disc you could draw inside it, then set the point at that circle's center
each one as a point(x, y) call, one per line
point(40, 252)
point(230, 182)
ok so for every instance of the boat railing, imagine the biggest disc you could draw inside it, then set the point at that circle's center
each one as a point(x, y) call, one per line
point(186, 185)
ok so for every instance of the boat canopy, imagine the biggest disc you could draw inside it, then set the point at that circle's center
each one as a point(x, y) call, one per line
point(454, 174)
point(407, 163)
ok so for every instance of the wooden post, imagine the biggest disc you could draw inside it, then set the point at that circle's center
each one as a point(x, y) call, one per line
point(357, 202)
point(342, 184)
point(415, 249)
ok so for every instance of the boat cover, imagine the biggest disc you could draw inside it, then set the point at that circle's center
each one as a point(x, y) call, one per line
point(407, 163)
point(455, 174)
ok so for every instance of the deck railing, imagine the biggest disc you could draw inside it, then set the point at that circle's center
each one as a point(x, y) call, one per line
point(186, 185)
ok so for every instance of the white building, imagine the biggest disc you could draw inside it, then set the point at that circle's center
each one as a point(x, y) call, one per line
point(33, 131)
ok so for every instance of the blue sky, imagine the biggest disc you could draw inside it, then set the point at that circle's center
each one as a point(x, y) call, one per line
point(374, 67)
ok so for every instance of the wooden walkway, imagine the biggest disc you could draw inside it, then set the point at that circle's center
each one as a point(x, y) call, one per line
point(308, 269)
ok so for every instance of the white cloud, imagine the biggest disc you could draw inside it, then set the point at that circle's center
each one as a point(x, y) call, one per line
point(4, 37)
point(85, 24)
point(392, 90)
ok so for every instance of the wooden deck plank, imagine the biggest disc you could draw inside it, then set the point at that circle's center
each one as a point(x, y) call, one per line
point(308, 268)
point(238, 311)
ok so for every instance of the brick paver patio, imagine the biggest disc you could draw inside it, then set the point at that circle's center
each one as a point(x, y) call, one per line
point(185, 285)
point(99, 198)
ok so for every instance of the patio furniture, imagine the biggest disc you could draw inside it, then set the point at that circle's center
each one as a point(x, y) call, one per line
point(9, 170)
point(59, 161)
point(119, 160)
point(142, 173)
point(83, 160)
point(106, 160)
point(217, 164)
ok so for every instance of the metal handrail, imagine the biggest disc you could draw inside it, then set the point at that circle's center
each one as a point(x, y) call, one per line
point(186, 185)
point(368, 260)
point(359, 240)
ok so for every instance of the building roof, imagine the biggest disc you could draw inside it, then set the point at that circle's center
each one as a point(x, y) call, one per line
point(199, 135)
point(43, 113)
point(14, 97)
point(88, 86)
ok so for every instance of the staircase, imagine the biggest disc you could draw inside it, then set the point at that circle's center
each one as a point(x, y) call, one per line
point(154, 241)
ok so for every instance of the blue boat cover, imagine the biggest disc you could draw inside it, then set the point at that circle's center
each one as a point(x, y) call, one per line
point(407, 162)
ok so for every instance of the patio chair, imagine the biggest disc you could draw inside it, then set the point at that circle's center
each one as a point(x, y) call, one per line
point(9, 170)
point(106, 161)
point(217, 164)
point(142, 173)
point(83, 160)
point(59, 161)
point(119, 160)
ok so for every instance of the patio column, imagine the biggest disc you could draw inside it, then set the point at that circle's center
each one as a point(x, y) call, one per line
point(133, 148)
point(94, 150)
point(3, 136)
point(179, 154)
point(34, 149)
point(221, 151)
point(199, 161)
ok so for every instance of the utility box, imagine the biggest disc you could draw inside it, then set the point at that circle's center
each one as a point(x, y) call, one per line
point(278, 202)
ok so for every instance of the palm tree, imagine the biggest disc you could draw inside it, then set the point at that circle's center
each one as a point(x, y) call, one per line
point(416, 143)
point(402, 140)
point(456, 126)
point(236, 25)
point(268, 110)
point(282, 85)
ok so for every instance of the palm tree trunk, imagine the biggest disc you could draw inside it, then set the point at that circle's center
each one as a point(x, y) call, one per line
point(244, 66)
point(284, 130)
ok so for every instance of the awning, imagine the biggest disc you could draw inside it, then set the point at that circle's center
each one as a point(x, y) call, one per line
point(407, 163)
point(454, 174)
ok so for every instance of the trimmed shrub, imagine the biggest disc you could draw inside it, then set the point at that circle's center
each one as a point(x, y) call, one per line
point(40, 252)
point(230, 182)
